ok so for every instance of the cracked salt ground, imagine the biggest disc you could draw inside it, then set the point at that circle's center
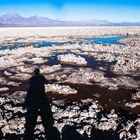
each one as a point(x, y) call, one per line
point(87, 116)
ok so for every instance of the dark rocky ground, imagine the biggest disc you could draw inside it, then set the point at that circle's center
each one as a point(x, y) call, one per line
point(83, 120)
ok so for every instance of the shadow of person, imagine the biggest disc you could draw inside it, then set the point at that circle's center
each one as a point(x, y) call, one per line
point(1, 134)
point(37, 103)
point(69, 132)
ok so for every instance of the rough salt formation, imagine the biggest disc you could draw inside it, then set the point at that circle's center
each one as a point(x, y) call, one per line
point(106, 71)
point(136, 96)
point(126, 57)
point(82, 76)
point(88, 76)
point(132, 105)
point(60, 89)
point(37, 60)
point(51, 69)
point(87, 116)
point(4, 89)
point(33, 33)
point(122, 81)
point(131, 41)
point(127, 65)
point(105, 57)
point(20, 77)
point(72, 59)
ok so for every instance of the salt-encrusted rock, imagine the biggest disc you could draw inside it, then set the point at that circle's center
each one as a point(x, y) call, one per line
point(50, 69)
point(72, 59)
point(19, 96)
point(131, 41)
point(122, 81)
point(60, 89)
point(37, 60)
point(132, 105)
point(7, 73)
point(136, 96)
point(85, 77)
point(126, 66)
point(20, 76)
point(105, 57)
point(24, 69)
point(4, 89)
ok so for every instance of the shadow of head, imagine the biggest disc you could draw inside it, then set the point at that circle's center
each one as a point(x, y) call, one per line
point(37, 71)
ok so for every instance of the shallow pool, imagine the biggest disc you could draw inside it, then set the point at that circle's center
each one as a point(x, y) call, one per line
point(105, 40)
point(95, 40)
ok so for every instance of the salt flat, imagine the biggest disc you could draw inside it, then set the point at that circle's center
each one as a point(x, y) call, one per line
point(68, 31)
point(108, 74)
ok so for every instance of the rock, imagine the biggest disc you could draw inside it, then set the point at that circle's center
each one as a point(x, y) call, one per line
point(60, 89)
point(72, 59)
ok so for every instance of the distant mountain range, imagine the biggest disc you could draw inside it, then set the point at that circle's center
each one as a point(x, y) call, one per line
point(16, 20)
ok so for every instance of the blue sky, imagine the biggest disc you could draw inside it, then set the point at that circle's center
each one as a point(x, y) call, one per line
point(112, 10)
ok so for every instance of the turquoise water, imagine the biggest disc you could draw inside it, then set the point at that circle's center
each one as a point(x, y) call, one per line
point(46, 44)
point(7, 48)
point(95, 40)
point(36, 44)
point(105, 40)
